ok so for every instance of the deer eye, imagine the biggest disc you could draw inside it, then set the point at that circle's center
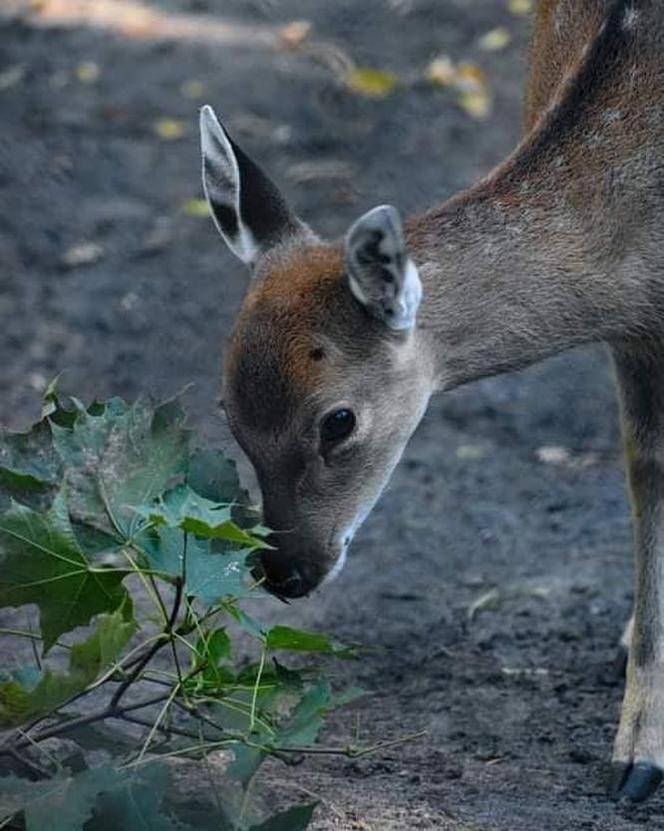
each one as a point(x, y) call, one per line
point(337, 426)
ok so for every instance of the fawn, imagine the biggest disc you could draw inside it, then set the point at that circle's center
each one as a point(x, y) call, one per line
point(339, 346)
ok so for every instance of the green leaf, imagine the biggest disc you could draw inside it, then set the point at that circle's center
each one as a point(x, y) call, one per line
point(29, 466)
point(122, 459)
point(213, 575)
point(214, 476)
point(97, 799)
point(136, 803)
point(245, 763)
point(294, 819)
point(214, 646)
point(183, 508)
point(80, 441)
point(104, 645)
point(210, 651)
point(307, 719)
point(23, 696)
point(41, 562)
point(297, 640)
point(163, 548)
point(63, 803)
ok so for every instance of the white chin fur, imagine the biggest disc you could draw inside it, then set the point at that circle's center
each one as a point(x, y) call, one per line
point(337, 568)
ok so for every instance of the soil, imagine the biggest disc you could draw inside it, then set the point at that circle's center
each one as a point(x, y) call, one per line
point(492, 581)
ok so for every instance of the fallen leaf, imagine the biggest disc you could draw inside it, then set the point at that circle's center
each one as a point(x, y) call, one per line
point(441, 71)
point(552, 455)
point(476, 103)
point(471, 81)
point(470, 451)
point(193, 88)
point(495, 39)
point(527, 671)
point(520, 7)
point(375, 83)
point(11, 76)
point(169, 129)
point(83, 253)
point(87, 72)
point(487, 600)
point(470, 77)
point(292, 35)
point(196, 207)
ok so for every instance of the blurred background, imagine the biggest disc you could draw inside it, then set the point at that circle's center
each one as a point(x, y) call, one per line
point(492, 582)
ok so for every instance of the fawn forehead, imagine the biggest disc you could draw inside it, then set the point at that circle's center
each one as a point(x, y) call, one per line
point(294, 324)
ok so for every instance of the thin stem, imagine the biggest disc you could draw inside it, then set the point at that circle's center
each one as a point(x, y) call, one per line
point(22, 633)
point(142, 577)
point(72, 724)
point(254, 696)
point(172, 633)
point(355, 752)
point(183, 751)
point(122, 666)
point(155, 726)
point(145, 660)
point(160, 600)
point(28, 764)
point(176, 731)
point(51, 758)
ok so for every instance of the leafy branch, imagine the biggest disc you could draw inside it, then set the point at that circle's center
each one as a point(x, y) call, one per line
point(104, 509)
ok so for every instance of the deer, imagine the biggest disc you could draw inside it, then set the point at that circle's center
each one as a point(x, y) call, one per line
point(338, 346)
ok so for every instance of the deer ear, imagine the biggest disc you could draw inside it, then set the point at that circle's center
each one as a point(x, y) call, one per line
point(381, 274)
point(248, 210)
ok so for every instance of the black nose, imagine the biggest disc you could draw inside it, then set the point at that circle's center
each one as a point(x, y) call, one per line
point(280, 578)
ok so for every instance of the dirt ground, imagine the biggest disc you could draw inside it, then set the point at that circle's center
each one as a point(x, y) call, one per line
point(106, 276)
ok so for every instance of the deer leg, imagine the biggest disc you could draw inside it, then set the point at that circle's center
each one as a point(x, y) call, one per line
point(638, 755)
point(623, 648)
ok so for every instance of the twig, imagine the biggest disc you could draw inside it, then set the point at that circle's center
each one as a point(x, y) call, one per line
point(72, 724)
point(176, 731)
point(34, 767)
point(167, 703)
point(355, 752)
point(156, 646)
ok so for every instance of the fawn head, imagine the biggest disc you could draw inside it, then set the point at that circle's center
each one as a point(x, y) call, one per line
point(323, 383)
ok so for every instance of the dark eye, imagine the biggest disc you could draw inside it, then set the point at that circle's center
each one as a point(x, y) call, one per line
point(337, 426)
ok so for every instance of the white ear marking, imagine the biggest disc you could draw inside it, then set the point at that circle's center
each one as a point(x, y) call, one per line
point(381, 275)
point(221, 185)
point(408, 299)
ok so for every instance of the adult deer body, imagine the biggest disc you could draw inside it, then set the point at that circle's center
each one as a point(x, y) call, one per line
point(338, 347)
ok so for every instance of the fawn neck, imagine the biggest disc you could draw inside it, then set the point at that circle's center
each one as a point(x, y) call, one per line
point(562, 243)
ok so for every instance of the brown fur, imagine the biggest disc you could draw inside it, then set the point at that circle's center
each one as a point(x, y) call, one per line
point(561, 244)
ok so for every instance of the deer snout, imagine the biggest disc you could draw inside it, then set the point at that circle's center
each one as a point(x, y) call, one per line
point(288, 570)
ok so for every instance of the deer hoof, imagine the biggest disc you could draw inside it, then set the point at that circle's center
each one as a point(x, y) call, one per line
point(635, 782)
